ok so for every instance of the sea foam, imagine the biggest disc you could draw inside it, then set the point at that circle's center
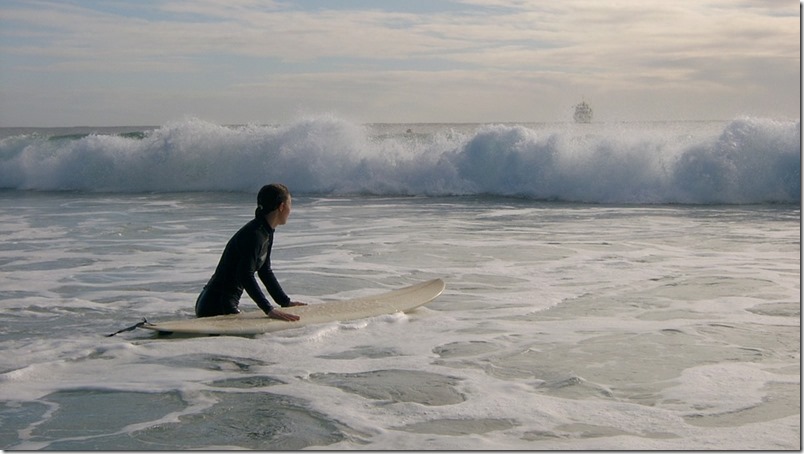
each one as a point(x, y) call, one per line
point(747, 160)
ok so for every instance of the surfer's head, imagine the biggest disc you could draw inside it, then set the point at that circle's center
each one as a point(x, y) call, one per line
point(271, 198)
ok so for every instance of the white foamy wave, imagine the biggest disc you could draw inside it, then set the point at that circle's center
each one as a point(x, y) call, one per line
point(750, 160)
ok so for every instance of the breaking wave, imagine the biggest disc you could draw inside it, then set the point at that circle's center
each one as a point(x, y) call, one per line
point(748, 160)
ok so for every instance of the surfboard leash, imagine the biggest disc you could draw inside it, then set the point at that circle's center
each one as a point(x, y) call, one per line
point(130, 328)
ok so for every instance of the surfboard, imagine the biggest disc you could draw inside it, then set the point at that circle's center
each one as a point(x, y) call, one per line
point(256, 322)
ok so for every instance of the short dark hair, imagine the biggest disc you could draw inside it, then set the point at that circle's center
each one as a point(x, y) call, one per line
point(270, 197)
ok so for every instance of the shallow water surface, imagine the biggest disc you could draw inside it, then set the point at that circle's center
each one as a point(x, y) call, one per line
point(563, 326)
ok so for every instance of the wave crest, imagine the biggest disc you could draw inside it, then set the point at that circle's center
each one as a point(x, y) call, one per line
point(750, 160)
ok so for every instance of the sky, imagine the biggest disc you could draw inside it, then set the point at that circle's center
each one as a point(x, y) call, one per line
point(118, 63)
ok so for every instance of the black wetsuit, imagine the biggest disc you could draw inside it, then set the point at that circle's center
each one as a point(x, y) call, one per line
point(248, 251)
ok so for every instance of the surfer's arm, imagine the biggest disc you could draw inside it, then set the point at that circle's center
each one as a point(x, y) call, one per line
point(268, 278)
point(272, 284)
point(250, 263)
point(245, 277)
point(262, 301)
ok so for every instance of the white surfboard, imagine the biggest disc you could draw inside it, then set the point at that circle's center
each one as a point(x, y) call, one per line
point(256, 322)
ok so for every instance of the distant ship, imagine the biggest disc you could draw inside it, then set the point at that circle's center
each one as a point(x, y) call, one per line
point(583, 113)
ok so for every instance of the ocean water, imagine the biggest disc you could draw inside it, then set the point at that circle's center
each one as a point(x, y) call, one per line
point(609, 286)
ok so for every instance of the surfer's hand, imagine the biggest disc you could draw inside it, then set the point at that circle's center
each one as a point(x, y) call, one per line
point(296, 303)
point(279, 315)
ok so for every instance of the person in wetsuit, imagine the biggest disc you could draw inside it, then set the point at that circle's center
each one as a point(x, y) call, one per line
point(246, 253)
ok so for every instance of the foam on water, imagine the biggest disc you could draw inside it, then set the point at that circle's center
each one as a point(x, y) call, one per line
point(748, 160)
point(563, 326)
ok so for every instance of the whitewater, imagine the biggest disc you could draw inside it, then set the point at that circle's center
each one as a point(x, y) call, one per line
point(748, 160)
point(617, 286)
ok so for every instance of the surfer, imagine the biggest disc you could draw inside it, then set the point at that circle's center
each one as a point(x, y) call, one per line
point(246, 253)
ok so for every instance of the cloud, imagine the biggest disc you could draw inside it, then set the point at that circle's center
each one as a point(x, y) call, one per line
point(270, 30)
point(470, 47)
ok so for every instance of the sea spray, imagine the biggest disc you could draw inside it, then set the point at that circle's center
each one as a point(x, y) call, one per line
point(754, 160)
point(748, 160)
